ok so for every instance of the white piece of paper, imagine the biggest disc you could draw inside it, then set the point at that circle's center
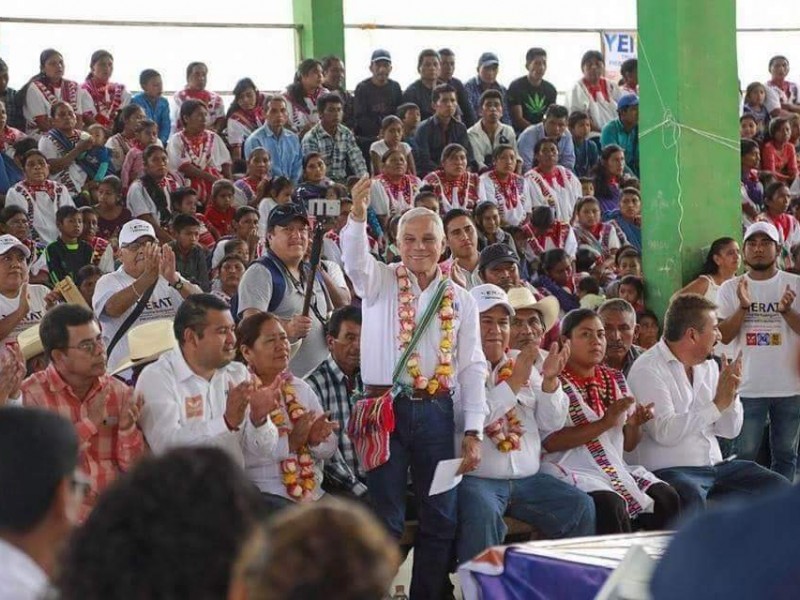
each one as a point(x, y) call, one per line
point(445, 478)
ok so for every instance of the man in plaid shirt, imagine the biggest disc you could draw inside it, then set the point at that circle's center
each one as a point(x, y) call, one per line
point(334, 142)
point(335, 381)
point(76, 386)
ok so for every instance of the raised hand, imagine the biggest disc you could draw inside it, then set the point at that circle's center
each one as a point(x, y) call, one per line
point(12, 372)
point(152, 259)
point(360, 195)
point(129, 411)
point(238, 401)
point(298, 436)
point(743, 293)
point(556, 360)
point(641, 415)
point(321, 428)
point(728, 385)
point(263, 401)
point(616, 412)
point(166, 264)
point(787, 299)
point(24, 304)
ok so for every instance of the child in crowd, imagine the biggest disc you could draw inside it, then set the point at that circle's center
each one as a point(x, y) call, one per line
point(68, 253)
point(254, 186)
point(391, 137)
point(184, 201)
point(754, 98)
point(628, 261)
point(14, 221)
point(410, 115)
point(244, 116)
point(220, 210)
point(631, 289)
point(124, 135)
point(86, 280)
point(133, 165)
point(748, 128)
point(592, 232)
point(97, 160)
point(628, 217)
point(112, 213)
point(314, 184)
point(649, 330)
point(556, 279)
point(280, 192)
point(191, 260)
point(587, 186)
point(546, 233)
point(155, 106)
point(102, 251)
point(589, 292)
point(427, 198)
point(226, 284)
point(776, 201)
point(392, 252)
point(586, 151)
point(778, 156)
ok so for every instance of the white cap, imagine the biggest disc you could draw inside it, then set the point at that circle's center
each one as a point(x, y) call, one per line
point(488, 296)
point(767, 229)
point(8, 241)
point(133, 230)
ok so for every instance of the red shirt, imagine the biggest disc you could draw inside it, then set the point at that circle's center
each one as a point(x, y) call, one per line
point(782, 162)
point(207, 240)
point(222, 221)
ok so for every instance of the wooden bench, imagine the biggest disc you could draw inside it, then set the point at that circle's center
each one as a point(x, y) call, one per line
point(518, 531)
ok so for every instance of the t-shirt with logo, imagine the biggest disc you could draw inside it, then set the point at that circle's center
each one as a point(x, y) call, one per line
point(769, 346)
point(534, 99)
point(36, 295)
point(163, 304)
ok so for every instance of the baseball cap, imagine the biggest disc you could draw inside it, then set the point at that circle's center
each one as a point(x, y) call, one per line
point(627, 101)
point(767, 229)
point(488, 296)
point(496, 253)
point(381, 54)
point(522, 298)
point(487, 59)
point(133, 230)
point(283, 214)
point(8, 241)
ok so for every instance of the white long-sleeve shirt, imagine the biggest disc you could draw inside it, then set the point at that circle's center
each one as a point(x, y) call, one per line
point(535, 408)
point(682, 433)
point(264, 470)
point(183, 409)
point(376, 285)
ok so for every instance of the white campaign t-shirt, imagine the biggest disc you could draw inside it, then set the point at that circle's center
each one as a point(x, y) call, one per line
point(36, 294)
point(163, 304)
point(769, 346)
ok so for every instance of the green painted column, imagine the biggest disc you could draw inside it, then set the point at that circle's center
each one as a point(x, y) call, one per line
point(690, 180)
point(322, 29)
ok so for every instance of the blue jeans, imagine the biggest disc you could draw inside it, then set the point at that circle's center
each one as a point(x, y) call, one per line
point(422, 437)
point(784, 430)
point(555, 508)
point(736, 477)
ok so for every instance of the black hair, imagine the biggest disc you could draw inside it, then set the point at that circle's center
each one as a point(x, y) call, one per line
point(181, 221)
point(574, 318)
point(774, 124)
point(591, 55)
point(575, 117)
point(230, 245)
point(311, 155)
point(349, 313)
point(65, 212)
point(244, 210)
point(192, 65)
point(771, 189)
point(747, 116)
point(589, 285)
point(176, 198)
point(126, 113)
point(747, 146)
point(647, 314)
point(542, 217)
point(325, 99)
point(229, 258)
point(709, 266)
point(775, 58)
point(240, 88)
point(602, 187)
point(545, 140)
point(404, 108)
point(551, 258)
point(146, 75)
point(556, 111)
point(3, 66)
point(534, 53)
point(149, 539)
point(686, 311)
point(490, 94)
point(425, 191)
point(500, 148)
point(584, 201)
point(192, 313)
point(53, 329)
point(188, 107)
point(58, 104)
point(628, 66)
point(442, 88)
point(30, 154)
point(38, 449)
point(481, 208)
point(454, 213)
point(96, 57)
point(390, 120)
point(327, 61)
point(635, 282)
point(22, 94)
point(10, 211)
point(450, 150)
point(295, 90)
point(278, 184)
point(113, 182)
point(25, 145)
point(88, 210)
point(84, 273)
point(428, 52)
point(586, 259)
point(446, 52)
point(627, 251)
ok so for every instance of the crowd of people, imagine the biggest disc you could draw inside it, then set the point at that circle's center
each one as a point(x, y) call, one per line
point(481, 243)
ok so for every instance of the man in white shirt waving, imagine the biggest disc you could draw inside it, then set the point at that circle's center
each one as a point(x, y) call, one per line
point(441, 385)
point(196, 395)
point(693, 403)
point(508, 480)
point(760, 312)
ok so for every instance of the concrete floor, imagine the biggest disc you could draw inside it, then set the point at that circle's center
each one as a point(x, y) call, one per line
point(404, 577)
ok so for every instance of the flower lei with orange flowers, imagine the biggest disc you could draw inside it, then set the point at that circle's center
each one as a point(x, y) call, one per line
point(442, 378)
point(297, 473)
point(506, 432)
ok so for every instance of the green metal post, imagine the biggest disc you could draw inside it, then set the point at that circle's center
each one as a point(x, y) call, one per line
point(690, 180)
point(322, 28)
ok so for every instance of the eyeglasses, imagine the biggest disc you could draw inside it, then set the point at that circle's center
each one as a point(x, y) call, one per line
point(90, 346)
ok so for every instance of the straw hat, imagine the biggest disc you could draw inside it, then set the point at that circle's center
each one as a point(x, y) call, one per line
point(522, 298)
point(146, 342)
point(30, 344)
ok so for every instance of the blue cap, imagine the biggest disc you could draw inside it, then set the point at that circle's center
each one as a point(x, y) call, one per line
point(627, 101)
point(283, 214)
point(488, 59)
point(381, 54)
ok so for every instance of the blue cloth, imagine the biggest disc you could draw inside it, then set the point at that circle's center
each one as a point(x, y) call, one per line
point(528, 139)
point(474, 89)
point(732, 478)
point(10, 173)
point(633, 233)
point(555, 508)
point(586, 156)
point(285, 152)
point(784, 430)
point(736, 553)
point(614, 133)
point(159, 114)
point(96, 162)
point(423, 436)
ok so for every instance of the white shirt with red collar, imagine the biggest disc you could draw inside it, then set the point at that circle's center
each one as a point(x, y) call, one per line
point(560, 189)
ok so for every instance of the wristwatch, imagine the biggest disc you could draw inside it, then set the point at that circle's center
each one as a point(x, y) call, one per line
point(178, 285)
point(474, 433)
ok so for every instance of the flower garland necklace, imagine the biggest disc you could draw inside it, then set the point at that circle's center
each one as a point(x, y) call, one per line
point(407, 311)
point(507, 431)
point(297, 473)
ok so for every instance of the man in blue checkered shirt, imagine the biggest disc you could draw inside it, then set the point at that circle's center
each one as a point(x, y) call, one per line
point(335, 381)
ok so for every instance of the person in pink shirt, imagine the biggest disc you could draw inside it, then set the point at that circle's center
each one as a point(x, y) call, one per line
point(76, 385)
point(778, 156)
point(133, 165)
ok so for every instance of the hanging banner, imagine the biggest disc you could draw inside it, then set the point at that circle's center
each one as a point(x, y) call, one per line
point(618, 46)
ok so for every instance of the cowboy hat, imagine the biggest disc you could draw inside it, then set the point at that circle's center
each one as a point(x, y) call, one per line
point(522, 298)
point(146, 342)
point(30, 344)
